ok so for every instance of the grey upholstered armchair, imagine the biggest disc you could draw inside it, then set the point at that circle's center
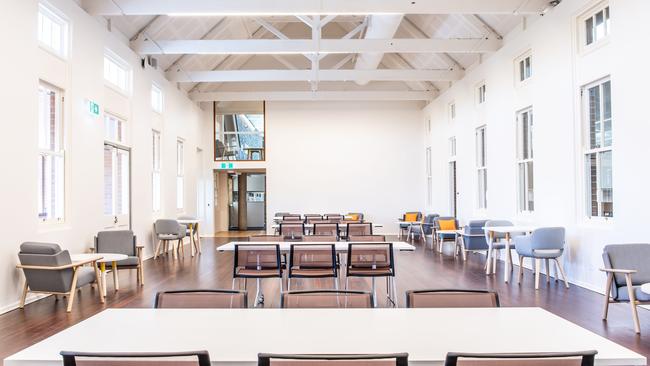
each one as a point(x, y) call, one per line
point(122, 242)
point(543, 244)
point(49, 270)
point(627, 269)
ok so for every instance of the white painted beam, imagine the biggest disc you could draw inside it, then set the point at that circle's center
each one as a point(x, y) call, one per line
point(303, 46)
point(309, 7)
point(220, 76)
point(401, 95)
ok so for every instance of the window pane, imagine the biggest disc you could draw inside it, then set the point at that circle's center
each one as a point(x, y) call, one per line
point(591, 172)
point(589, 30)
point(606, 191)
point(522, 71)
point(482, 188)
point(108, 180)
point(529, 187)
point(600, 25)
point(522, 186)
point(607, 114)
point(594, 117)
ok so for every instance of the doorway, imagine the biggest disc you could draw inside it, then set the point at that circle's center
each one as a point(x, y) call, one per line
point(247, 201)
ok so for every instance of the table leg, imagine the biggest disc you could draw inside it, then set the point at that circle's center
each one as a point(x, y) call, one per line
point(102, 268)
point(116, 280)
point(191, 227)
point(506, 272)
point(198, 238)
point(488, 263)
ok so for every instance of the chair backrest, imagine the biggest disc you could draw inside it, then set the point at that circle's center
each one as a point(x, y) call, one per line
point(371, 257)
point(314, 219)
point(257, 257)
point(292, 217)
point(312, 257)
point(314, 215)
point(196, 358)
point(115, 241)
point(453, 298)
point(359, 228)
point(496, 223)
point(167, 226)
point(367, 238)
point(282, 214)
point(356, 216)
point(628, 256)
point(268, 238)
point(436, 221)
point(319, 238)
point(292, 229)
point(547, 238)
point(326, 229)
point(475, 227)
point(409, 215)
point(326, 299)
point(521, 359)
point(201, 299)
point(46, 255)
point(333, 217)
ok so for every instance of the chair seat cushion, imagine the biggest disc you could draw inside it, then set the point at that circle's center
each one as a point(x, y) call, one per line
point(313, 272)
point(130, 261)
point(85, 276)
point(370, 272)
point(447, 236)
point(169, 236)
point(640, 295)
point(245, 272)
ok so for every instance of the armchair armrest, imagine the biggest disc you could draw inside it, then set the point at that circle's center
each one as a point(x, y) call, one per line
point(614, 270)
point(139, 249)
point(58, 268)
point(91, 250)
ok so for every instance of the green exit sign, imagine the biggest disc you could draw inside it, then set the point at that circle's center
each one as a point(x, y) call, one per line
point(93, 108)
point(226, 165)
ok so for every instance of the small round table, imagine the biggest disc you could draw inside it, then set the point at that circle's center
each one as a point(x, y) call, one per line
point(112, 258)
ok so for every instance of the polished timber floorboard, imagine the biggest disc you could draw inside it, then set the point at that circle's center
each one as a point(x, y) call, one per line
point(420, 269)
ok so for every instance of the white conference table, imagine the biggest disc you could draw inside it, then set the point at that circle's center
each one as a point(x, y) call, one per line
point(234, 337)
point(508, 231)
point(285, 246)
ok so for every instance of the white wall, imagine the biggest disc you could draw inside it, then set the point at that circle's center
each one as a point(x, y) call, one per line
point(81, 77)
point(559, 71)
point(345, 157)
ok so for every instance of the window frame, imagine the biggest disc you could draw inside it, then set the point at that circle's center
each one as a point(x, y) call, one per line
point(156, 171)
point(451, 108)
point(121, 129)
point(525, 160)
point(53, 153)
point(590, 14)
point(55, 16)
point(429, 172)
point(180, 174)
point(481, 93)
point(157, 104)
point(481, 167)
point(123, 65)
point(588, 150)
point(521, 76)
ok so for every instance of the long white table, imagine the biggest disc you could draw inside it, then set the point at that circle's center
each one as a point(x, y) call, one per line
point(340, 246)
point(234, 337)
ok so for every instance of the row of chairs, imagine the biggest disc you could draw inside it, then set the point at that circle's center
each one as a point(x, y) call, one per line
point(296, 229)
point(352, 216)
point(202, 358)
point(310, 261)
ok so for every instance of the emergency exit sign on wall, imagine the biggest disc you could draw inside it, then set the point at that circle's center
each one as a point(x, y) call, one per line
point(226, 165)
point(93, 108)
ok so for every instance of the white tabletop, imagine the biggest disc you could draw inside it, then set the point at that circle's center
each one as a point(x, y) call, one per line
point(105, 257)
point(341, 225)
point(235, 337)
point(340, 246)
point(188, 221)
point(511, 229)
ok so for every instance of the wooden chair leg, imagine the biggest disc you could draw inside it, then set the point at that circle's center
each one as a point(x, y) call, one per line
point(100, 284)
point(520, 276)
point(538, 263)
point(608, 291)
point(630, 292)
point(73, 288)
point(155, 252)
point(23, 297)
point(566, 282)
point(548, 270)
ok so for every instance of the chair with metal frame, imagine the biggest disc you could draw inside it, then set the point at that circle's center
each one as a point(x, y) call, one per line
point(315, 220)
point(312, 261)
point(356, 229)
point(292, 217)
point(292, 230)
point(318, 216)
point(257, 261)
point(452, 298)
point(367, 238)
point(201, 299)
point(326, 229)
point(372, 260)
point(319, 238)
point(585, 358)
point(194, 358)
point(395, 359)
point(331, 299)
point(333, 217)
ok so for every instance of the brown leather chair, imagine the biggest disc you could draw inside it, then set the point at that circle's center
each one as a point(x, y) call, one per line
point(201, 299)
point(397, 359)
point(196, 358)
point(453, 298)
point(372, 260)
point(585, 358)
point(257, 261)
point(312, 261)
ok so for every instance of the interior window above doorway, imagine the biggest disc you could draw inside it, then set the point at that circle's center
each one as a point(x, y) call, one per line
point(239, 133)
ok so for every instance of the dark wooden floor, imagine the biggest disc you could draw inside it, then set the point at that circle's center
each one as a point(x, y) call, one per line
point(421, 269)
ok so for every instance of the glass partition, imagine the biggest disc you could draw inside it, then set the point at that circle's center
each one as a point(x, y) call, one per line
point(239, 136)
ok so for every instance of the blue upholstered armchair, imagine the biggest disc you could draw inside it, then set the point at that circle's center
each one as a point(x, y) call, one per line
point(543, 244)
point(473, 237)
point(627, 269)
